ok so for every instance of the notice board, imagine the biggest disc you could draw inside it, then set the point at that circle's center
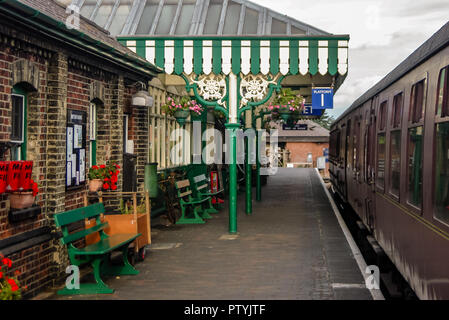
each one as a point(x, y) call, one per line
point(76, 149)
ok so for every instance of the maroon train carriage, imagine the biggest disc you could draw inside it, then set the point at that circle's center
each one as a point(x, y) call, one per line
point(389, 160)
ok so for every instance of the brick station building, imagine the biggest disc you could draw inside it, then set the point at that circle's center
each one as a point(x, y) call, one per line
point(304, 146)
point(50, 74)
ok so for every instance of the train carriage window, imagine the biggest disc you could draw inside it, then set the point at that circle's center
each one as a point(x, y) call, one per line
point(417, 102)
point(442, 108)
point(395, 162)
point(397, 110)
point(380, 180)
point(415, 163)
point(383, 115)
point(441, 201)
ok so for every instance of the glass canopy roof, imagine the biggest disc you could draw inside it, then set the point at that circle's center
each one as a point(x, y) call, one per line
point(190, 18)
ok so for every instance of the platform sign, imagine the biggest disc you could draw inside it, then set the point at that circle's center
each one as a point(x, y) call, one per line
point(322, 98)
point(309, 111)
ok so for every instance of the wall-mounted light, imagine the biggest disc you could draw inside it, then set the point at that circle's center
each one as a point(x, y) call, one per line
point(142, 98)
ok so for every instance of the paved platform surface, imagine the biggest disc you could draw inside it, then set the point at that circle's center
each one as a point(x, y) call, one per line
point(292, 247)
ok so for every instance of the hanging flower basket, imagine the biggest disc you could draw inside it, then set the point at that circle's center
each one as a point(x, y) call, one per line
point(181, 116)
point(181, 108)
point(287, 105)
point(284, 113)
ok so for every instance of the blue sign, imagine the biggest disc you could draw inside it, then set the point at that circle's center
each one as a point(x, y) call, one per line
point(326, 154)
point(322, 98)
point(309, 111)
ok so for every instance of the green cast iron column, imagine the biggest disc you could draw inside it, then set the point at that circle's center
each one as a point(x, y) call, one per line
point(258, 185)
point(232, 127)
point(248, 189)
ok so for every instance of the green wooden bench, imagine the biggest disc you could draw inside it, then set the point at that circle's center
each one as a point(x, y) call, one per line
point(97, 254)
point(186, 200)
point(202, 188)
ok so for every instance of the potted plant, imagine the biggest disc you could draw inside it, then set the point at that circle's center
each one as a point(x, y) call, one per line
point(24, 198)
point(181, 108)
point(103, 176)
point(9, 286)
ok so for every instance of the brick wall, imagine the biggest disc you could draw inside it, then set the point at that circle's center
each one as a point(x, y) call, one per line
point(62, 82)
point(299, 151)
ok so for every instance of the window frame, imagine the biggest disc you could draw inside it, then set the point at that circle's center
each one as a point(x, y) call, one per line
point(439, 119)
point(21, 148)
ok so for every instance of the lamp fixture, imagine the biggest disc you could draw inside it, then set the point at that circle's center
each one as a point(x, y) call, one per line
point(142, 98)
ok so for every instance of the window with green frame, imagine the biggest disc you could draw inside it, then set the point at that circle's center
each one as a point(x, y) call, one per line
point(18, 124)
point(93, 133)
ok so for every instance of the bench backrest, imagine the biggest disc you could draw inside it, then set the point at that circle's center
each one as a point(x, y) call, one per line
point(183, 188)
point(201, 183)
point(64, 219)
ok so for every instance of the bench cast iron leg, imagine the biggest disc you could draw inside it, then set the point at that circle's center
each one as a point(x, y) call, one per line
point(125, 269)
point(184, 220)
point(90, 288)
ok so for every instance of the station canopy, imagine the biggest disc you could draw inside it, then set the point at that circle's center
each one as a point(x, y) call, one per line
point(220, 36)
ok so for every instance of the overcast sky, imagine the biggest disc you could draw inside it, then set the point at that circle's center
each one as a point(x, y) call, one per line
point(383, 34)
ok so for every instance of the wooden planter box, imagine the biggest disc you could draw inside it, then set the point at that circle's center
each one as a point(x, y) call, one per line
point(125, 223)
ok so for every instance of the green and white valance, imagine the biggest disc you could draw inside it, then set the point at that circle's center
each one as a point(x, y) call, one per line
point(247, 56)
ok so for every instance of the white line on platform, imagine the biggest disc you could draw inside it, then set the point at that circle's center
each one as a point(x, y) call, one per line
point(376, 294)
point(348, 286)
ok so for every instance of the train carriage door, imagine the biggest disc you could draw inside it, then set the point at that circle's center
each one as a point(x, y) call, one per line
point(370, 166)
point(347, 156)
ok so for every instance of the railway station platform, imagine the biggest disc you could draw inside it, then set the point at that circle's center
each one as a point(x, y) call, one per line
point(291, 248)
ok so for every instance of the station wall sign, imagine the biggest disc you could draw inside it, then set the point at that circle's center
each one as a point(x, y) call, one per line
point(15, 175)
point(322, 98)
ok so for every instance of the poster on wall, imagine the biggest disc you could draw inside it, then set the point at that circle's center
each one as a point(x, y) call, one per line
point(76, 149)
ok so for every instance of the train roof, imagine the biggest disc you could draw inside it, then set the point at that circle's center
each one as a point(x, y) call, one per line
point(432, 46)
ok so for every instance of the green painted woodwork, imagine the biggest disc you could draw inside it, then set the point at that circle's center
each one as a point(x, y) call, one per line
point(240, 38)
point(160, 53)
point(197, 57)
point(217, 55)
point(232, 127)
point(313, 57)
point(179, 57)
point(274, 57)
point(97, 254)
point(150, 180)
point(294, 57)
point(333, 57)
point(140, 48)
point(248, 185)
point(255, 56)
point(236, 56)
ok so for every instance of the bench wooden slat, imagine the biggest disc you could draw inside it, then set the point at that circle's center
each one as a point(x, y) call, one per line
point(202, 187)
point(109, 244)
point(182, 184)
point(182, 195)
point(68, 217)
point(83, 233)
point(199, 178)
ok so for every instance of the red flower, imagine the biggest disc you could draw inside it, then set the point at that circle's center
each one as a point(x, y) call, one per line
point(102, 166)
point(12, 282)
point(1, 274)
point(114, 179)
point(105, 186)
point(118, 171)
point(95, 167)
point(7, 262)
point(114, 187)
point(118, 167)
point(14, 288)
